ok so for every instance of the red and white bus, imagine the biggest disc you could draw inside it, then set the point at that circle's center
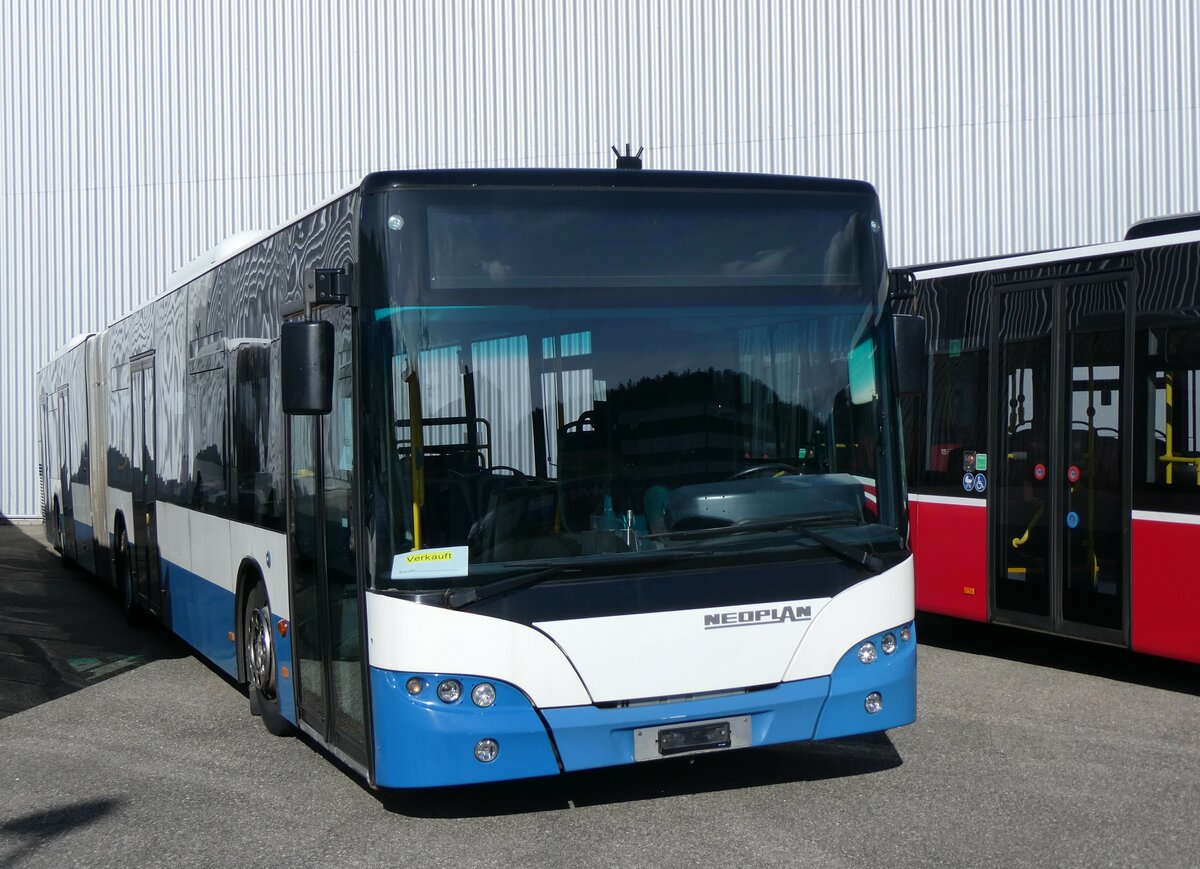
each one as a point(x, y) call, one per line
point(1053, 461)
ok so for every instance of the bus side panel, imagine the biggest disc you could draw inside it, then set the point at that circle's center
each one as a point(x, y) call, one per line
point(949, 543)
point(1165, 605)
point(97, 428)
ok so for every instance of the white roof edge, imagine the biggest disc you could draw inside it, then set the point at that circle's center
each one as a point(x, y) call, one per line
point(75, 342)
point(240, 242)
point(1061, 255)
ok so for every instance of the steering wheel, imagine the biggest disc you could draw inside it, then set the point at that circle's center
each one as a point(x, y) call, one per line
point(768, 469)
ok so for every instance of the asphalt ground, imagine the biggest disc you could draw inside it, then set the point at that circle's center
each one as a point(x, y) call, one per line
point(1028, 751)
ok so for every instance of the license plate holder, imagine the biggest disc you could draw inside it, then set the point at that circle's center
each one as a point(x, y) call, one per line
point(693, 737)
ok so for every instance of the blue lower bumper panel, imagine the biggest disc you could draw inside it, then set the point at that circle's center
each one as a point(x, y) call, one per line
point(422, 742)
point(589, 736)
point(893, 677)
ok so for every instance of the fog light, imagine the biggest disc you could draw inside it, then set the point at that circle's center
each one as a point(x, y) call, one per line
point(867, 653)
point(486, 750)
point(873, 703)
point(483, 694)
point(415, 685)
point(905, 634)
point(449, 691)
point(888, 643)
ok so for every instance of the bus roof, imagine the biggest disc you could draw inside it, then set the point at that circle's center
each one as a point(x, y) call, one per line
point(963, 267)
point(610, 178)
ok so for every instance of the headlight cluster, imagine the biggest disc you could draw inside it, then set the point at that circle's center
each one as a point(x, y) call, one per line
point(450, 691)
point(868, 653)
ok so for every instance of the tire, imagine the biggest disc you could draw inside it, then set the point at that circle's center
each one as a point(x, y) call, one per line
point(59, 539)
point(258, 649)
point(124, 570)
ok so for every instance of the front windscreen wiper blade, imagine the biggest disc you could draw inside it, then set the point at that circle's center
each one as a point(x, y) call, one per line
point(848, 551)
point(532, 573)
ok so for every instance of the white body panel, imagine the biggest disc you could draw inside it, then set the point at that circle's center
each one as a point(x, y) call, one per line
point(874, 605)
point(174, 535)
point(670, 653)
point(407, 636)
point(269, 550)
point(213, 548)
point(119, 502)
point(578, 661)
point(81, 502)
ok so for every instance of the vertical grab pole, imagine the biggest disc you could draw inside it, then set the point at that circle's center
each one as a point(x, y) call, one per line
point(418, 450)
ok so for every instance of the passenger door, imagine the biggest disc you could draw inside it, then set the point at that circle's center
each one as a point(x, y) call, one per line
point(326, 610)
point(1060, 518)
point(143, 479)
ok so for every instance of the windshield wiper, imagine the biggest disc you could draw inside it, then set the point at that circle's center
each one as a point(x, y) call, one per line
point(532, 573)
point(854, 554)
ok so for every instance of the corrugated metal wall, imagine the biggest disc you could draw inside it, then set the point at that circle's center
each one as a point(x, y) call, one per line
point(136, 135)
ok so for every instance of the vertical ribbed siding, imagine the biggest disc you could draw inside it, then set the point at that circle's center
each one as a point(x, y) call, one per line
point(136, 135)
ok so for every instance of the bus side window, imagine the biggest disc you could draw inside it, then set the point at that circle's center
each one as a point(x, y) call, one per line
point(207, 402)
point(1172, 459)
point(257, 499)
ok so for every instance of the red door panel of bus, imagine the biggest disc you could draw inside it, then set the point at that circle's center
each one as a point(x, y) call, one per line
point(1166, 588)
point(950, 556)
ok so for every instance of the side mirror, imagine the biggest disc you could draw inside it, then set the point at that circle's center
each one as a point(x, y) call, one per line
point(908, 331)
point(306, 360)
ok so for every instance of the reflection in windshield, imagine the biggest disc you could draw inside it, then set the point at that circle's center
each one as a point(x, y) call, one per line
point(550, 387)
point(556, 433)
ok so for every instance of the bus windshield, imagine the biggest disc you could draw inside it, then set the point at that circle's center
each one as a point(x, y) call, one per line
point(587, 376)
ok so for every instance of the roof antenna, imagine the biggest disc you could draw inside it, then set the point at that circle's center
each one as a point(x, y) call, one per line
point(628, 161)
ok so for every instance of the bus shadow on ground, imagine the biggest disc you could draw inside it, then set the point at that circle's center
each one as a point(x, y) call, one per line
point(30, 832)
point(1058, 653)
point(698, 774)
point(61, 629)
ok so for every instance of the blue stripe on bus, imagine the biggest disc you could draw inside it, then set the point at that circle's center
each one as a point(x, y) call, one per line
point(589, 736)
point(202, 614)
point(893, 676)
point(83, 532)
point(422, 742)
point(283, 658)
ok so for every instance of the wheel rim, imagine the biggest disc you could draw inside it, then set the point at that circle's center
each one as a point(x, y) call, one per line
point(260, 656)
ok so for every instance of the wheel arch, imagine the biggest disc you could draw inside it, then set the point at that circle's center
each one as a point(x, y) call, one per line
point(249, 575)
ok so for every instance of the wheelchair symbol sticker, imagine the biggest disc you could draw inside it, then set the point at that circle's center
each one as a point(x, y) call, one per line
point(968, 481)
point(980, 483)
point(1072, 519)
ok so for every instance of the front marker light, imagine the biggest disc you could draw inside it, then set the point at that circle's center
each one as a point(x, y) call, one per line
point(905, 634)
point(888, 643)
point(486, 750)
point(867, 653)
point(483, 694)
point(449, 691)
point(873, 703)
point(414, 686)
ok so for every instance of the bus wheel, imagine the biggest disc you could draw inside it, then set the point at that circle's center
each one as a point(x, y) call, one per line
point(259, 650)
point(58, 529)
point(125, 579)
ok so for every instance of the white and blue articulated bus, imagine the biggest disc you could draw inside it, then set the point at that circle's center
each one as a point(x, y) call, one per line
point(481, 475)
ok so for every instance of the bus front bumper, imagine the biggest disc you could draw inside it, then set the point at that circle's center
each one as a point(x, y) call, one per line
point(421, 741)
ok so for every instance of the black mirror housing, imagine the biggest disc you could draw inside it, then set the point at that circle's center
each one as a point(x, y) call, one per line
point(306, 360)
point(908, 332)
